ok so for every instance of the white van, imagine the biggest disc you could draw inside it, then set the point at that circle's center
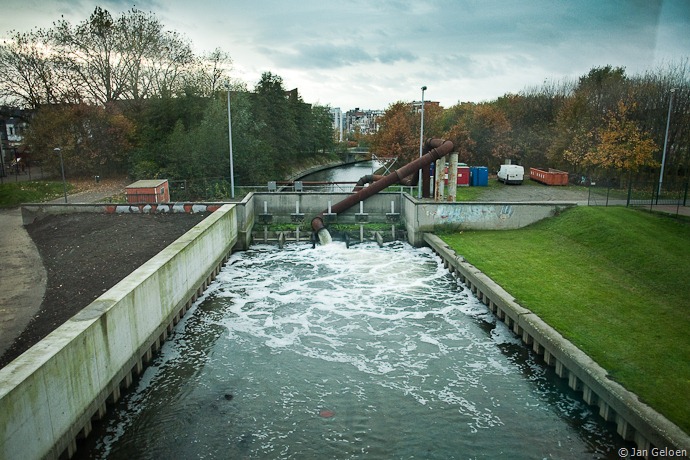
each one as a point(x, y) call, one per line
point(511, 174)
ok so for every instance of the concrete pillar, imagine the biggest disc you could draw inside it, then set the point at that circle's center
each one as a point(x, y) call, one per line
point(561, 370)
point(453, 177)
point(549, 358)
point(526, 338)
point(85, 431)
point(128, 379)
point(642, 442)
point(537, 348)
point(441, 183)
point(589, 396)
point(574, 382)
point(100, 412)
point(115, 395)
point(439, 173)
point(72, 448)
point(606, 412)
point(624, 429)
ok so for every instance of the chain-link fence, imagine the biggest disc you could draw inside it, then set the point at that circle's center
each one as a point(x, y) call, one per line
point(637, 193)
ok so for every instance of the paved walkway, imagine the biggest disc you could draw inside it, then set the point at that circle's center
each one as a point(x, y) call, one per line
point(22, 278)
point(22, 275)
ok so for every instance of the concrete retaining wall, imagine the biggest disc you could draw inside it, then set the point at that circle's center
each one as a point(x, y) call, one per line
point(49, 395)
point(635, 421)
point(245, 222)
point(421, 217)
point(33, 212)
point(287, 207)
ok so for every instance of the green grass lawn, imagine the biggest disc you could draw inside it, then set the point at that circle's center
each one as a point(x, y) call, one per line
point(614, 281)
point(13, 194)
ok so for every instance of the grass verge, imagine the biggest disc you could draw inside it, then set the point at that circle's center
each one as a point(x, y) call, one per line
point(13, 194)
point(614, 281)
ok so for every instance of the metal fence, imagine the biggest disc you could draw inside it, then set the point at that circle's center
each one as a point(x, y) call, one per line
point(218, 189)
point(641, 194)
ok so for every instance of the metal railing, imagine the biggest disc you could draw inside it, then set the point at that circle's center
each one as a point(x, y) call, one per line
point(640, 194)
point(218, 189)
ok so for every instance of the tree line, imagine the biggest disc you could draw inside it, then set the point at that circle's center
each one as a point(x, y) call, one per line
point(606, 124)
point(124, 95)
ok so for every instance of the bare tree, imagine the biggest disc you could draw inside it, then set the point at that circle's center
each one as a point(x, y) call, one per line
point(131, 57)
point(210, 71)
point(27, 71)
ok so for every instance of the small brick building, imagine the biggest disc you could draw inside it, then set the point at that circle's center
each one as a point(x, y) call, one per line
point(148, 191)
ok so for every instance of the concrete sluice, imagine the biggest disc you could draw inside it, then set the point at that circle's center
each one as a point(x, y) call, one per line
point(346, 353)
point(433, 150)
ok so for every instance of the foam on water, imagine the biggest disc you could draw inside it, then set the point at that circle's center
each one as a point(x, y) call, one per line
point(384, 339)
point(325, 237)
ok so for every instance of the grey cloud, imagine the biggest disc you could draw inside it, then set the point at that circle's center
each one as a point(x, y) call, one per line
point(391, 55)
point(330, 56)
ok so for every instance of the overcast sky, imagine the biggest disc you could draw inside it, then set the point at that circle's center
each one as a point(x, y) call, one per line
point(372, 53)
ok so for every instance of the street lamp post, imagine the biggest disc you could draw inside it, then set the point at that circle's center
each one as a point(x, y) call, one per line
point(421, 143)
point(232, 172)
point(62, 168)
point(663, 156)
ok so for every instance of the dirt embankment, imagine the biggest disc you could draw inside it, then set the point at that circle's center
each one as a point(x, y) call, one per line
point(86, 254)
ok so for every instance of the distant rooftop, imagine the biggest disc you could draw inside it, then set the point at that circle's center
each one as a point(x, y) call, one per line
point(147, 183)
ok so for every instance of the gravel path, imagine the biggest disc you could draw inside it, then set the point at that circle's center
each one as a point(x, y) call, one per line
point(534, 191)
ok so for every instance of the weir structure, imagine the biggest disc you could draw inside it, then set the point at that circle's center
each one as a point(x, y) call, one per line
point(434, 149)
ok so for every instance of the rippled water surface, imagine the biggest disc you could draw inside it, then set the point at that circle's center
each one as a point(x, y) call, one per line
point(349, 173)
point(331, 352)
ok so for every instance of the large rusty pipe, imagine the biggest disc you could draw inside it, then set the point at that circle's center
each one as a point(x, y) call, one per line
point(368, 179)
point(433, 150)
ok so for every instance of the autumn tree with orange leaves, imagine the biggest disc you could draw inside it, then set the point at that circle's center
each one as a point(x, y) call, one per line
point(398, 135)
point(622, 145)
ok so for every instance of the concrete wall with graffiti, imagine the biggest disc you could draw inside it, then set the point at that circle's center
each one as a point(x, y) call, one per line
point(423, 217)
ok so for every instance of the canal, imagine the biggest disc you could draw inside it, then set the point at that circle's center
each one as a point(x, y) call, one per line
point(331, 352)
point(349, 173)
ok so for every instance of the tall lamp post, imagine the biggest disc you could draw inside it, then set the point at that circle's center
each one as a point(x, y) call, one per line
point(663, 156)
point(421, 143)
point(62, 168)
point(232, 172)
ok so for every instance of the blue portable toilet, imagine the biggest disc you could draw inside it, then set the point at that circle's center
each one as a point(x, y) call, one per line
point(479, 176)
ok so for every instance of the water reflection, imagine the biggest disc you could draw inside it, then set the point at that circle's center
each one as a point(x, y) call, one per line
point(349, 173)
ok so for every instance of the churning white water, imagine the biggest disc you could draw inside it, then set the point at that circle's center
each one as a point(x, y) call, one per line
point(324, 237)
point(331, 352)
